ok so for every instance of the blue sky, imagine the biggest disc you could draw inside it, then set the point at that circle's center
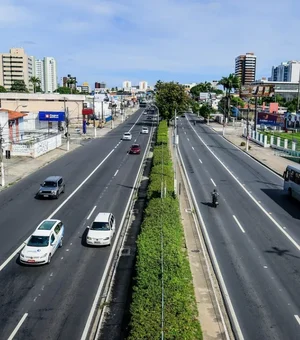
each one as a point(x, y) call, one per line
point(180, 40)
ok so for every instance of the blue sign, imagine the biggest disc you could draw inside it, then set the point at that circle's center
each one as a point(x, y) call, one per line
point(107, 119)
point(52, 116)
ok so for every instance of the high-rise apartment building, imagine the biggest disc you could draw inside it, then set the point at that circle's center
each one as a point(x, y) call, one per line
point(101, 85)
point(69, 81)
point(127, 85)
point(15, 65)
point(39, 72)
point(50, 74)
point(286, 71)
point(245, 68)
point(143, 86)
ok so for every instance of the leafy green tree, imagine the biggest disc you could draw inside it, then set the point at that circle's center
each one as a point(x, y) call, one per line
point(38, 88)
point(2, 89)
point(19, 86)
point(206, 110)
point(35, 81)
point(292, 105)
point(232, 82)
point(63, 90)
point(203, 87)
point(195, 107)
point(171, 96)
point(237, 102)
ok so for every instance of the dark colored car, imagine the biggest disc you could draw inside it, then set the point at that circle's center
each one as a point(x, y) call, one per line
point(135, 149)
point(52, 187)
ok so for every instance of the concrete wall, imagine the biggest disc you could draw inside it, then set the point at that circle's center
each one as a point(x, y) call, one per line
point(37, 149)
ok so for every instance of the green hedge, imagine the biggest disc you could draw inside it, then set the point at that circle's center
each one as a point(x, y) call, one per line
point(161, 154)
point(162, 133)
point(180, 311)
point(158, 173)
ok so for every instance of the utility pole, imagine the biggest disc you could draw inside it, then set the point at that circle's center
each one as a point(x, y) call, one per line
point(298, 96)
point(67, 129)
point(102, 114)
point(94, 114)
point(255, 115)
point(247, 133)
point(175, 153)
point(1, 158)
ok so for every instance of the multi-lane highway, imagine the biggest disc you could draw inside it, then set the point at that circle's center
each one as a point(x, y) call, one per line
point(255, 232)
point(54, 301)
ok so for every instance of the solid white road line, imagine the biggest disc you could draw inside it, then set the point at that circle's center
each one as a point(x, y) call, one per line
point(238, 223)
point(116, 173)
point(5, 263)
point(288, 236)
point(200, 161)
point(213, 256)
point(297, 318)
point(111, 255)
point(18, 327)
point(213, 182)
point(246, 154)
point(90, 214)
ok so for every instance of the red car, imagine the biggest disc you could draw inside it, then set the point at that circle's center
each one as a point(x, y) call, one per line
point(135, 149)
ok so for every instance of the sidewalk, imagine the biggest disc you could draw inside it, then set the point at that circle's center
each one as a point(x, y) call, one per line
point(266, 156)
point(17, 168)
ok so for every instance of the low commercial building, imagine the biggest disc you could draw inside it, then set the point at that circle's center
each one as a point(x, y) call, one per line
point(33, 103)
point(286, 89)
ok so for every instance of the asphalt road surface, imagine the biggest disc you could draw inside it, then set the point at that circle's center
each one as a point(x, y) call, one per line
point(255, 232)
point(53, 301)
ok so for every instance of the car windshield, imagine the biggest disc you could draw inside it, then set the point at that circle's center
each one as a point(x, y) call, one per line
point(127, 134)
point(38, 241)
point(135, 146)
point(100, 226)
point(50, 184)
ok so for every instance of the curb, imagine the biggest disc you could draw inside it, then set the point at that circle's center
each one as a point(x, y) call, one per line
point(256, 159)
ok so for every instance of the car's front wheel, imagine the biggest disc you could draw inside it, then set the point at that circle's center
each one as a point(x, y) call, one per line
point(49, 259)
point(61, 243)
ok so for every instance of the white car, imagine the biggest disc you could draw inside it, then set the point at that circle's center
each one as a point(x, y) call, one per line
point(127, 136)
point(145, 130)
point(43, 243)
point(145, 112)
point(102, 230)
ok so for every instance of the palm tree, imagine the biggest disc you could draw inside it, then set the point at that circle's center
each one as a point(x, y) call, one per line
point(35, 81)
point(232, 82)
point(71, 81)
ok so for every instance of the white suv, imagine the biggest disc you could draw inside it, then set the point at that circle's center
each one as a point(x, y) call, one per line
point(145, 129)
point(43, 243)
point(127, 136)
point(102, 230)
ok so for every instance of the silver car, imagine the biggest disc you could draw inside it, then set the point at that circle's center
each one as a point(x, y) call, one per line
point(52, 187)
point(127, 136)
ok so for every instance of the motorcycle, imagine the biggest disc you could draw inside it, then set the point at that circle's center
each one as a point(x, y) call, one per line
point(215, 200)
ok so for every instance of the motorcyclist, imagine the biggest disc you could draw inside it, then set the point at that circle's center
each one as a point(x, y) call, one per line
point(214, 195)
point(194, 122)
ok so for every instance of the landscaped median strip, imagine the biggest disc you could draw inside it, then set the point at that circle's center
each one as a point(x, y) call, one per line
point(163, 298)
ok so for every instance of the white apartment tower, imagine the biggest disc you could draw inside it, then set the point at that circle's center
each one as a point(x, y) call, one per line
point(143, 86)
point(127, 85)
point(15, 65)
point(39, 72)
point(50, 74)
point(286, 71)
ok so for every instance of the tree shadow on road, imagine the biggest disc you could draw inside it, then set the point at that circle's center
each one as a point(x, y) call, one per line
point(281, 252)
point(290, 205)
